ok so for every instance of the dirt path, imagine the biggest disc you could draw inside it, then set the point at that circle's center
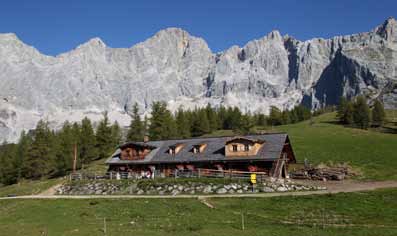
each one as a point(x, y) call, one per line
point(333, 187)
point(51, 191)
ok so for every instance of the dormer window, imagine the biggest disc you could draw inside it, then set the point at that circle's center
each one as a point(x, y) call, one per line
point(235, 148)
point(196, 149)
point(199, 148)
point(174, 149)
point(242, 146)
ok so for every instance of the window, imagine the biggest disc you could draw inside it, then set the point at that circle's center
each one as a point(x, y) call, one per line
point(234, 148)
point(246, 147)
point(196, 149)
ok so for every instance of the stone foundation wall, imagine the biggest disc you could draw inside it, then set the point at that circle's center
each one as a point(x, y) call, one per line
point(104, 187)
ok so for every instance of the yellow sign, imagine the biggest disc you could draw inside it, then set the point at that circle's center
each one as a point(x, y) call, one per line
point(253, 178)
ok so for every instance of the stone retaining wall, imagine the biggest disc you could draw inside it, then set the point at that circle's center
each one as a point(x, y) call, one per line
point(189, 187)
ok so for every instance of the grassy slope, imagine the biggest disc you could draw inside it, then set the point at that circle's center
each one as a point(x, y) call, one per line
point(367, 213)
point(28, 187)
point(373, 152)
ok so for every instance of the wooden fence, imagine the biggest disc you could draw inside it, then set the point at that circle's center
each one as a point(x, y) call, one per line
point(197, 173)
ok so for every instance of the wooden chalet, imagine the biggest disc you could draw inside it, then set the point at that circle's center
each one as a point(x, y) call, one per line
point(268, 153)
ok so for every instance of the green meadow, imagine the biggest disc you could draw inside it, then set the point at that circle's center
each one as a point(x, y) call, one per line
point(363, 213)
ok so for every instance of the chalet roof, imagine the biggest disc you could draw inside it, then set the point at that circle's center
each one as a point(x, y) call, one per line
point(215, 150)
point(252, 140)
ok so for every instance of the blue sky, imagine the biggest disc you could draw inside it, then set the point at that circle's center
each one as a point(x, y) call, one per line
point(54, 26)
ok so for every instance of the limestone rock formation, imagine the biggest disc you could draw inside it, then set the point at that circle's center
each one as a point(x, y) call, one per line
point(180, 69)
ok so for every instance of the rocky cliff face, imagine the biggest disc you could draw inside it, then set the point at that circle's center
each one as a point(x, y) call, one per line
point(176, 67)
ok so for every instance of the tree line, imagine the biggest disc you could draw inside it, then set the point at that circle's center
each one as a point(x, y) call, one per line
point(43, 152)
point(357, 113)
point(163, 124)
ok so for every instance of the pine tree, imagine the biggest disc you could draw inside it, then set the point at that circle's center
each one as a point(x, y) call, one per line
point(303, 113)
point(341, 112)
point(275, 116)
point(86, 147)
point(361, 113)
point(222, 116)
point(103, 138)
point(183, 124)
point(145, 126)
point(348, 116)
point(378, 114)
point(136, 130)
point(23, 146)
point(201, 124)
point(162, 123)
point(116, 134)
point(246, 124)
point(40, 160)
point(8, 171)
point(65, 142)
point(260, 119)
point(212, 118)
point(285, 117)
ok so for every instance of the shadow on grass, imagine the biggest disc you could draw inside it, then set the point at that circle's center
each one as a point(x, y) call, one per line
point(332, 122)
point(387, 130)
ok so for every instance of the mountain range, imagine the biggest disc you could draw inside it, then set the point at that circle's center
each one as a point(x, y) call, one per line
point(178, 68)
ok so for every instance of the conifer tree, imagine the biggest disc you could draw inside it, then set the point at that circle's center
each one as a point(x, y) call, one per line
point(246, 124)
point(260, 119)
point(136, 130)
point(285, 117)
point(361, 113)
point(40, 159)
point(145, 126)
point(201, 124)
point(65, 141)
point(23, 146)
point(87, 149)
point(212, 118)
point(348, 116)
point(116, 136)
point(103, 137)
point(275, 116)
point(183, 124)
point(162, 123)
point(222, 116)
point(8, 171)
point(378, 114)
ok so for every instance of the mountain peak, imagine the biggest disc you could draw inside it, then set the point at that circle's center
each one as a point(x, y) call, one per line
point(95, 42)
point(172, 32)
point(274, 34)
point(388, 30)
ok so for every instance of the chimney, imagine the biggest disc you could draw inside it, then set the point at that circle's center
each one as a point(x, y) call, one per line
point(146, 138)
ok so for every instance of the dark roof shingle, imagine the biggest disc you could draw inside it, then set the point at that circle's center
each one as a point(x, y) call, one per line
point(214, 151)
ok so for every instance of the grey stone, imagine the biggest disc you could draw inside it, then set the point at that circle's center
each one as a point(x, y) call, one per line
point(282, 189)
point(267, 189)
point(221, 191)
point(207, 189)
point(140, 192)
